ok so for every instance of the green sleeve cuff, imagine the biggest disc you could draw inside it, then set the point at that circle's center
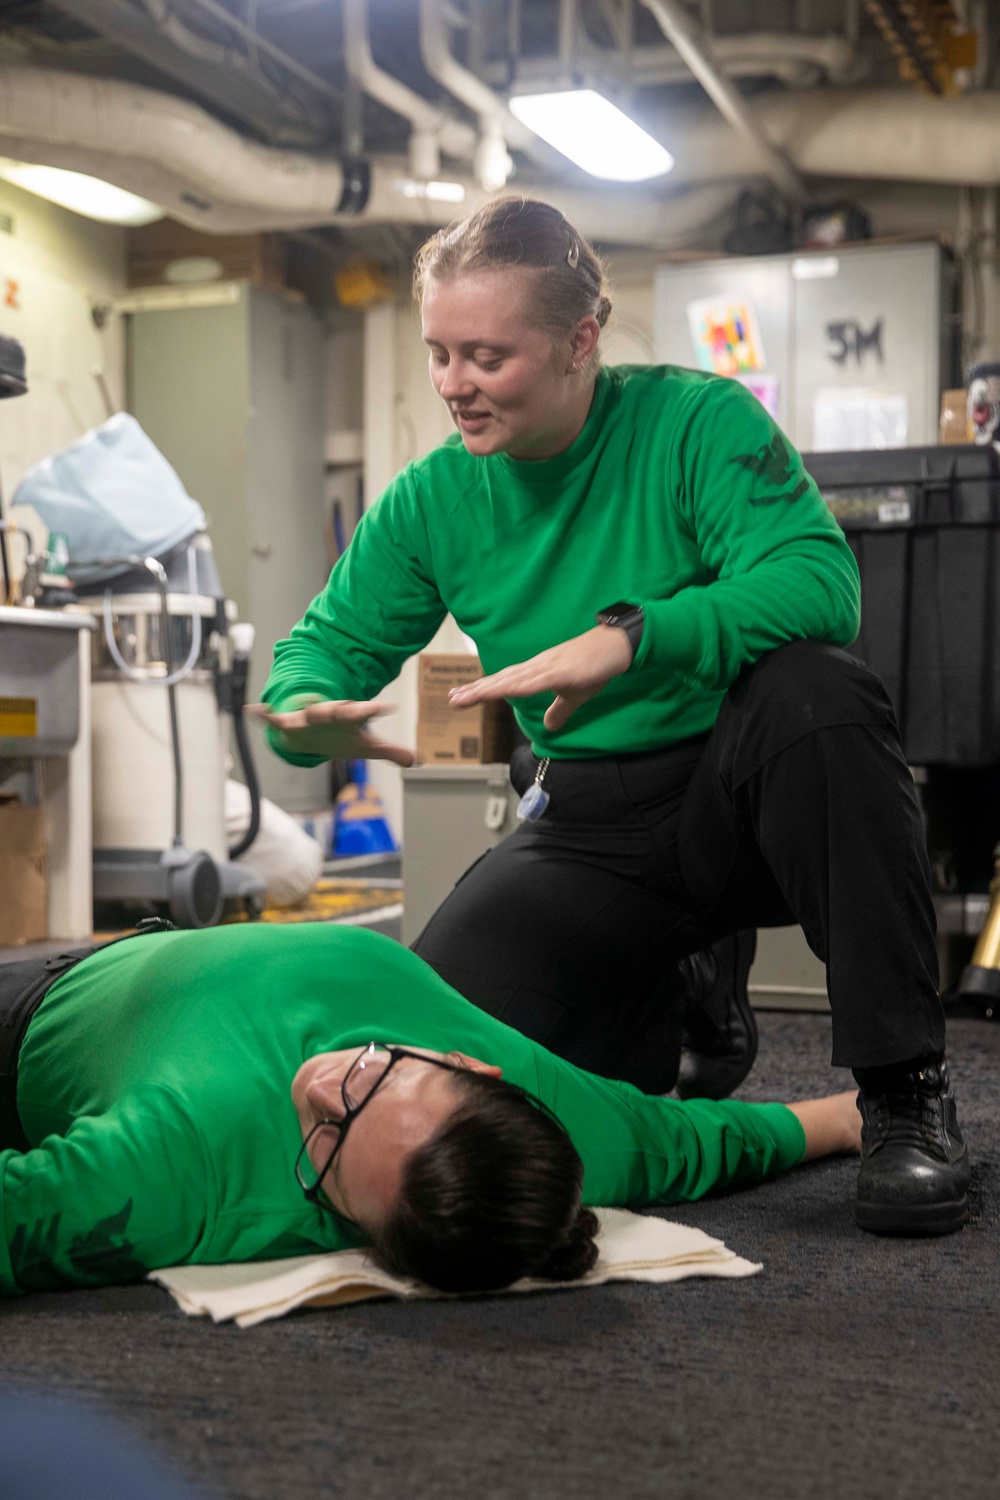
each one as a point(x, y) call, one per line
point(672, 634)
point(293, 702)
point(789, 1135)
point(278, 741)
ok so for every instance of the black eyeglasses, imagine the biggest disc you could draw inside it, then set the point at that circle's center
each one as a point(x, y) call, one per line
point(367, 1072)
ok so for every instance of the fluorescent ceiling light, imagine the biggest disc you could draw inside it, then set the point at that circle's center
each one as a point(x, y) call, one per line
point(815, 267)
point(594, 133)
point(437, 192)
point(90, 196)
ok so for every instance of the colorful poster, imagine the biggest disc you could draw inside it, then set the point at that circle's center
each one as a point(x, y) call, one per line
point(726, 335)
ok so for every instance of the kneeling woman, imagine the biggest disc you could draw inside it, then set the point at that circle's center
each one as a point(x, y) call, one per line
point(250, 1093)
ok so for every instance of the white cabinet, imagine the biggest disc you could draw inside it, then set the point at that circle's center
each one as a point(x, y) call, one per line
point(859, 342)
point(233, 394)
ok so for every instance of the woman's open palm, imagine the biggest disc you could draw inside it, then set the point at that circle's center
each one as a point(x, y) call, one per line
point(336, 729)
point(576, 671)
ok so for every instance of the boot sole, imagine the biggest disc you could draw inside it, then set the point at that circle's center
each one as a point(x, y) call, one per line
point(912, 1218)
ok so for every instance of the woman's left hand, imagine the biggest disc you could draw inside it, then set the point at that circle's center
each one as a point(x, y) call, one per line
point(576, 671)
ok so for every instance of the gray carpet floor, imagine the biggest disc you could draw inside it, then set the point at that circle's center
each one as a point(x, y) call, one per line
point(851, 1366)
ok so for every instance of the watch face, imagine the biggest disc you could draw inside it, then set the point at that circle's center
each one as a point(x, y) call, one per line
point(616, 611)
point(629, 618)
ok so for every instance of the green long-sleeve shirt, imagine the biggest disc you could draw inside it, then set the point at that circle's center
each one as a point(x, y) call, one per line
point(680, 494)
point(154, 1085)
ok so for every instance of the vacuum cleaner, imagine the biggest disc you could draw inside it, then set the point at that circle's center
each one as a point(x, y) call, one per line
point(169, 671)
point(159, 739)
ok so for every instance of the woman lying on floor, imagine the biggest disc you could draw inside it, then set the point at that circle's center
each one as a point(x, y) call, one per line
point(246, 1093)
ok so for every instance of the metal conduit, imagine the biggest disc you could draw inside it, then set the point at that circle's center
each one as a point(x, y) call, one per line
point(692, 44)
point(454, 137)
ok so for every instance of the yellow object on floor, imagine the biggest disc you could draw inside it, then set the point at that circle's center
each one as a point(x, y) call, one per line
point(633, 1247)
point(332, 899)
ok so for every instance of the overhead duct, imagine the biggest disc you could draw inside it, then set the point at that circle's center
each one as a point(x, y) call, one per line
point(888, 134)
point(188, 196)
point(124, 120)
point(208, 176)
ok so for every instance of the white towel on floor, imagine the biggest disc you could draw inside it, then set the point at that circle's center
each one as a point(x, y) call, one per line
point(632, 1248)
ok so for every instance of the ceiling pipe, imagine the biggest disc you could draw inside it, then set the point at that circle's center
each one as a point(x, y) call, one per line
point(493, 163)
point(496, 121)
point(872, 134)
point(567, 36)
point(170, 25)
point(122, 120)
point(434, 127)
point(211, 178)
point(799, 59)
point(679, 27)
point(185, 196)
point(626, 218)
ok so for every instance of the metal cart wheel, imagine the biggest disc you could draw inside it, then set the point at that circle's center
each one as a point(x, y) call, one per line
point(196, 893)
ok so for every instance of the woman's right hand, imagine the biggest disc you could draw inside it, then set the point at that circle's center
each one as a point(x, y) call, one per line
point(335, 729)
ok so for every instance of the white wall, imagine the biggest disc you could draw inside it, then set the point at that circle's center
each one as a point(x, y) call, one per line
point(54, 266)
point(403, 419)
point(628, 337)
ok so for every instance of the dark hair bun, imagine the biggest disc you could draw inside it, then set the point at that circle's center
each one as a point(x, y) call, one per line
point(493, 1196)
point(576, 1254)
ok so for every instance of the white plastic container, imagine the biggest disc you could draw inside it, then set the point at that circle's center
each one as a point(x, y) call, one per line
point(134, 769)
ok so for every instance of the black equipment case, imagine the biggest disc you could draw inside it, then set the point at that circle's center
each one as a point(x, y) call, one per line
point(924, 526)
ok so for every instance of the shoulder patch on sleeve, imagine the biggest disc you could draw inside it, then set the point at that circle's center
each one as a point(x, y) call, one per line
point(773, 465)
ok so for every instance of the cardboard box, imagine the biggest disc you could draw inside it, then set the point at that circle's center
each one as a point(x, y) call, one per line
point(480, 735)
point(24, 893)
point(955, 426)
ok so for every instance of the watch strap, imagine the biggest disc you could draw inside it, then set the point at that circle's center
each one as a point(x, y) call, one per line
point(627, 617)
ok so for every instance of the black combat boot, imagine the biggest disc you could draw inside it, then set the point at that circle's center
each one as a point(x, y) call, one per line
point(719, 1043)
point(914, 1176)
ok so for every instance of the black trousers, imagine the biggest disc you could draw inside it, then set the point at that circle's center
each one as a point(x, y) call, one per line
point(798, 807)
point(23, 987)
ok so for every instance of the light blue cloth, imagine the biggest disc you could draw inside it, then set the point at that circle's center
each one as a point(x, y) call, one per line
point(112, 494)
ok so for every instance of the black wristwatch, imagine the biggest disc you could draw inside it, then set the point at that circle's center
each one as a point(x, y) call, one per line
point(627, 617)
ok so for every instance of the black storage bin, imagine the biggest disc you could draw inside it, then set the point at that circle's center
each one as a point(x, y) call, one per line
point(924, 526)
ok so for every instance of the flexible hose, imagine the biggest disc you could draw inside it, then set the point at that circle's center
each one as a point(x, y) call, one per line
point(159, 573)
point(4, 556)
point(238, 693)
point(193, 654)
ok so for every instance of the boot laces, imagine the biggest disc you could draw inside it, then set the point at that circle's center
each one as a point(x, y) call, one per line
point(912, 1110)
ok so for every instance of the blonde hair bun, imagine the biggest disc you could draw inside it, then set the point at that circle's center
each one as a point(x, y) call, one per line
point(524, 234)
